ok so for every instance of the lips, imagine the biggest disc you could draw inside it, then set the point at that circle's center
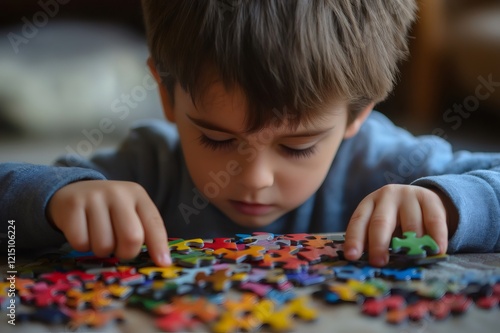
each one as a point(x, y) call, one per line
point(254, 209)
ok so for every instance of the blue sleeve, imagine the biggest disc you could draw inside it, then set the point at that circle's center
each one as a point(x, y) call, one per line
point(147, 156)
point(476, 195)
point(25, 191)
point(384, 153)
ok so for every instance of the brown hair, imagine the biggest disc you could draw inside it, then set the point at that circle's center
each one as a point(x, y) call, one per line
point(293, 55)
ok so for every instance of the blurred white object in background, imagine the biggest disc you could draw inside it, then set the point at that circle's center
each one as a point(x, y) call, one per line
point(71, 75)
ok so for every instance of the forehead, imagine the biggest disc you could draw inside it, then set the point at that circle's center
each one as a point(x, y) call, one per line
point(229, 105)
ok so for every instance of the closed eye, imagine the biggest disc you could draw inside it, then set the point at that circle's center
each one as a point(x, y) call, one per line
point(215, 144)
point(299, 153)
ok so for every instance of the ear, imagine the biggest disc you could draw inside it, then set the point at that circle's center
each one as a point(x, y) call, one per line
point(168, 107)
point(353, 128)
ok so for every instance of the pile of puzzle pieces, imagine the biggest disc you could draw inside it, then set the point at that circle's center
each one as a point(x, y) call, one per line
point(245, 283)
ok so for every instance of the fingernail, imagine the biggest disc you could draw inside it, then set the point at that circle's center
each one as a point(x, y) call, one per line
point(165, 259)
point(379, 262)
point(352, 252)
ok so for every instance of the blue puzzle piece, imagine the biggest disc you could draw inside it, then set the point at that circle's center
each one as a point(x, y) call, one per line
point(411, 273)
point(351, 272)
point(305, 279)
point(280, 297)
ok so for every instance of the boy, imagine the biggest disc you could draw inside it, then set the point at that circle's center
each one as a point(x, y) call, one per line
point(274, 132)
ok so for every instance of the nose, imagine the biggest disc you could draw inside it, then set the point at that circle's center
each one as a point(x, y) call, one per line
point(257, 173)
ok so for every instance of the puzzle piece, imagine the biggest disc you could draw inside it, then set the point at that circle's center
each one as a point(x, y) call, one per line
point(146, 303)
point(296, 239)
point(23, 286)
point(375, 307)
point(280, 297)
point(416, 312)
point(351, 272)
point(235, 317)
point(266, 240)
point(318, 254)
point(283, 258)
point(115, 290)
point(94, 318)
point(252, 253)
point(223, 243)
point(219, 281)
point(195, 258)
point(439, 309)
point(433, 289)
point(176, 321)
point(412, 273)
point(414, 246)
point(168, 272)
point(282, 319)
point(259, 289)
point(198, 307)
point(305, 278)
point(450, 303)
point(96, 298)
point(335, 293)
point(79, 275)
point(124, 275)
point(490, 301)
point(44, 294)
point(185, 246)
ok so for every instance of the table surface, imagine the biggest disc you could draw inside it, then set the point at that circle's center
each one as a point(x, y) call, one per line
point(333, 318)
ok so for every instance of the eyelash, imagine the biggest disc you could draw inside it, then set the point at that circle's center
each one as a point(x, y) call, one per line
point(214, 144)
point(299, 153)
point(225, 144)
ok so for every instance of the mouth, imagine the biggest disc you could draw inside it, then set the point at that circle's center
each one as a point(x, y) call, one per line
point(253, 209)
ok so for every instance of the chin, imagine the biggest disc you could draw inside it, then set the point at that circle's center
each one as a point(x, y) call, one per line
point(253, 221)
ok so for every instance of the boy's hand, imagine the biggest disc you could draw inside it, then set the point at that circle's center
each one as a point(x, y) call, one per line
point(109, 217)
point(402, 208)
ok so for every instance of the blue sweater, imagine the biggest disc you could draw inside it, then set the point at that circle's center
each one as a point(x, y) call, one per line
point(379, 154)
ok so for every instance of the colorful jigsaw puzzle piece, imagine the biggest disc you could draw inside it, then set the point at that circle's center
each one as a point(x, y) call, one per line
point(414, 246)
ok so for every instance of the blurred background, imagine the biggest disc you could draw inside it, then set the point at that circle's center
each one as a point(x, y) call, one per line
point(73, 76)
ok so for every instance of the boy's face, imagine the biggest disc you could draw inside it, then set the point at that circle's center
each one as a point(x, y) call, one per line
point(253, 178)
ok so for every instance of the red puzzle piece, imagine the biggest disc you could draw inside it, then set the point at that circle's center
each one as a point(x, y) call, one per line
point(223, 243)
point(375, 307)
point(317, 254)
point(283, 258)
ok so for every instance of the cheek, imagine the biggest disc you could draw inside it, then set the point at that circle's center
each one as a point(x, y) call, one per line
point(298, 186)
point(204, 165)
point(302, 181)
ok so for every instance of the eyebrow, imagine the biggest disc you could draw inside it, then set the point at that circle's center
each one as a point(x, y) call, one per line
point(208, 125)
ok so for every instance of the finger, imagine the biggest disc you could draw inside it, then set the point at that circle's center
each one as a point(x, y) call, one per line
point(128, 230)
point(73, 223)
point(434, 215)
point(355, 235)
point(155, 233)
point(381, 226)
point(410, 215)
point(100, 229)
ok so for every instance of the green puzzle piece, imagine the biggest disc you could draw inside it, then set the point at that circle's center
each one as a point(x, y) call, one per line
point(416, 246)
